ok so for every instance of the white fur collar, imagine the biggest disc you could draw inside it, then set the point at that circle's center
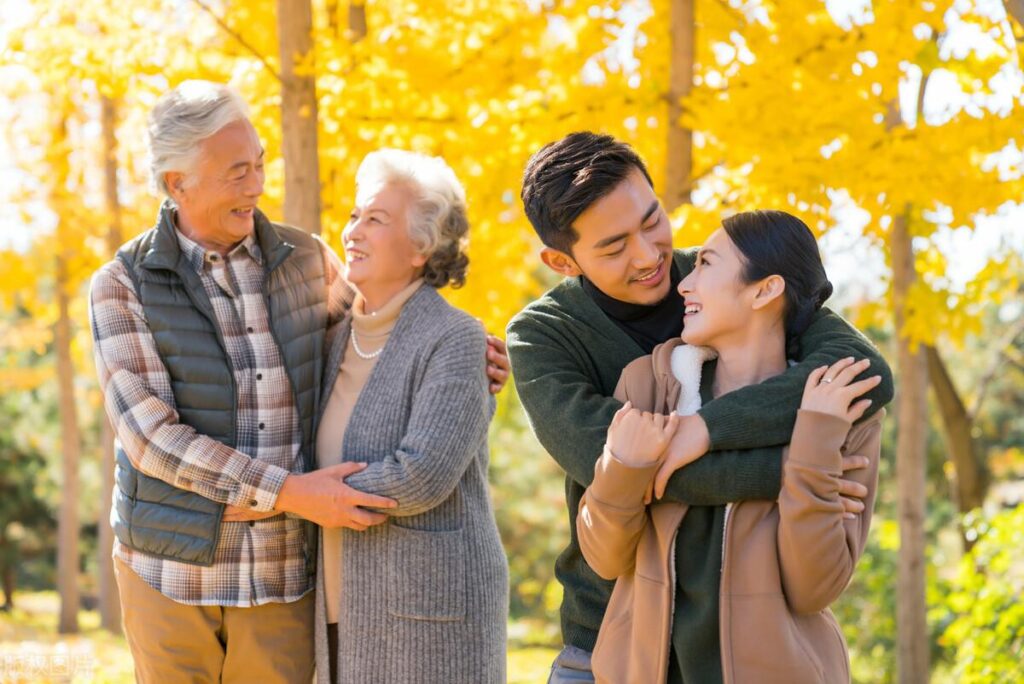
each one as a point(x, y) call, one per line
point(687, 363)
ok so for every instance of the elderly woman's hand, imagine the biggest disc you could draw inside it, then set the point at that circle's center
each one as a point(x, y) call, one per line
point(497, 363)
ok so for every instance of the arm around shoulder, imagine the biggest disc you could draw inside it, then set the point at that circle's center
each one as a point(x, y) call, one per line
point(451, 411)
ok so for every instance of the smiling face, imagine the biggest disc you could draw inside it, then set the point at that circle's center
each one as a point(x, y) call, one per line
point(624, 246)
point(720, 306)
point(381, 258)
point(217, 200)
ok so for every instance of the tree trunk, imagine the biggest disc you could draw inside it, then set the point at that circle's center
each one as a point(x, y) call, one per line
point(911, 443)
point(298, 116)
point(679, 152)
point(109, 602)
point(970, 476)
point(357, 20)
point(67, 526)
point(7, 578)
point(1015, 9)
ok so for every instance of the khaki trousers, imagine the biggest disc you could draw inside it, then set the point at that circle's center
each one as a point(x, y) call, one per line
point(173, 642)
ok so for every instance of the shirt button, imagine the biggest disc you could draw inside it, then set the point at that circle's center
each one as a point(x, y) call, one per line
point(259, 376)
point(249, 329)
point(252, 523)
point(254, 503)
point(262, 425)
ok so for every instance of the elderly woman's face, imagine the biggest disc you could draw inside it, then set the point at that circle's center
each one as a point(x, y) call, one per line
point(378, 250)
point(218, 202)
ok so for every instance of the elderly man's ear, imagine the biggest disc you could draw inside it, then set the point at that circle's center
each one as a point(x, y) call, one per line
point(175, 184)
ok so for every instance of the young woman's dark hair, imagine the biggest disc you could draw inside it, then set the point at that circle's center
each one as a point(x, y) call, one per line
point(565, 177)
point(777, 243)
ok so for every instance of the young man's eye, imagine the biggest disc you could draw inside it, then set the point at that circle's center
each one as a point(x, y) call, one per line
point(617, 252)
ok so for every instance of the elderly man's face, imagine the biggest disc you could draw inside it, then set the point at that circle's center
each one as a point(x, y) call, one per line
point(216, 202)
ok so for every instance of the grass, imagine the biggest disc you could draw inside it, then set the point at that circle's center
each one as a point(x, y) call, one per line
point(32, 651)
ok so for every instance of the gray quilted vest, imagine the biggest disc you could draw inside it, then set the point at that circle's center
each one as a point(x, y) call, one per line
point(150, 515)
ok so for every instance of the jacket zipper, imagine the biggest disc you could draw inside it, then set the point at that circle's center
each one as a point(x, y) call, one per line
point(725, 534)
point(724, 646)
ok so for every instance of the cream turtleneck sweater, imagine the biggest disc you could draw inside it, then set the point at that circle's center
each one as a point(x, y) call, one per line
point(370, 331)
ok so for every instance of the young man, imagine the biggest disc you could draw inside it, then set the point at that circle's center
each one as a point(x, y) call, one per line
point(592, 203)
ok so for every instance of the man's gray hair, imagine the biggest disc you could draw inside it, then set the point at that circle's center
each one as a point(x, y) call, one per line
point(184, 117)
point(438, 224)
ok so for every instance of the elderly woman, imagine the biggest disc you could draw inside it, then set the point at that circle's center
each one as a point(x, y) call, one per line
point(422, 596)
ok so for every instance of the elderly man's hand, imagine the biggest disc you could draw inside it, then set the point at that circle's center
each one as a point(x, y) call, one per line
point(323, 497)
point(497, 363)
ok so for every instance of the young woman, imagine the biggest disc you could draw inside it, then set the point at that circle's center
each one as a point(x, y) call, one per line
point(422, 596)
point(736, 593)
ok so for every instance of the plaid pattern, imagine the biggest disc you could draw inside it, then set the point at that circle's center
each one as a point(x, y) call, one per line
point(258, 562)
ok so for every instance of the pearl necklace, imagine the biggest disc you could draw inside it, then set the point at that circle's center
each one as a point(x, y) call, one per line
point(360, 353)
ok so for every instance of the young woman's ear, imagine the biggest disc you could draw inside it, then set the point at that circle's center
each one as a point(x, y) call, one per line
point(560, 262)
point(769, 290)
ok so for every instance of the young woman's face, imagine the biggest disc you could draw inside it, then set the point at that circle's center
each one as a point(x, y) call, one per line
point(718, 302)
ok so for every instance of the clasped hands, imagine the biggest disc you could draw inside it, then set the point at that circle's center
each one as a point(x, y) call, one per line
point(323, 497)
point(641, 439)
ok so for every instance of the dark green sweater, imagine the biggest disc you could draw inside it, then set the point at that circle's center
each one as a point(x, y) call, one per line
point(567, 356)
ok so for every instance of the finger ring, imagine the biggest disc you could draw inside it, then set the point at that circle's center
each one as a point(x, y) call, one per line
point(826, 380)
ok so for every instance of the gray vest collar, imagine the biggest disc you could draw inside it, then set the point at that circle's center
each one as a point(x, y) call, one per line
point(165, 253)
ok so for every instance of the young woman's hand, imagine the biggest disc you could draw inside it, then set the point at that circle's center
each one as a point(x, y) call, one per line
point(639, 438)
point(831, 390)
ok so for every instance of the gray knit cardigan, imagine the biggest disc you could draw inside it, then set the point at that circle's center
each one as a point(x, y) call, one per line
point(424, 596)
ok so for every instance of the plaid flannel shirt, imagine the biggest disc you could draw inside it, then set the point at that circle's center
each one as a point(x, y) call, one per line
point(255, 562)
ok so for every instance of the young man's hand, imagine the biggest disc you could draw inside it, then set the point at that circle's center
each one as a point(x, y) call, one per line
point(639, 438)
point(851, 492)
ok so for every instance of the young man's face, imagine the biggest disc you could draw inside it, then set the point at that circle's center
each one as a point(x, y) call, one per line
point(624, 246)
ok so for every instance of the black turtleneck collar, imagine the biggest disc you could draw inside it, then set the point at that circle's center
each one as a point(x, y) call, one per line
point(647, 325)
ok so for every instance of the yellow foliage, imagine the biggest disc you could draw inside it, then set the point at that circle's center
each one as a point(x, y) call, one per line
point(790, 105)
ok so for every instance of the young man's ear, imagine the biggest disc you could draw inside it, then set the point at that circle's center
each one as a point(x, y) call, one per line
point(560, 262)
point(769, 290)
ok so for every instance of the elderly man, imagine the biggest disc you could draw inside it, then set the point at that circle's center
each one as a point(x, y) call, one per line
point(209, 340)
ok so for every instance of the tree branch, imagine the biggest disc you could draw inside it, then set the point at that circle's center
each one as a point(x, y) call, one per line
point(1002, 353)
point(238, 37)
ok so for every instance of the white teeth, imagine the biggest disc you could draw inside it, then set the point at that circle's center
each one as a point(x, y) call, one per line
point(692, 308)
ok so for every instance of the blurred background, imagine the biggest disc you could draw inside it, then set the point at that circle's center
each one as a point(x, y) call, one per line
point(894, 128)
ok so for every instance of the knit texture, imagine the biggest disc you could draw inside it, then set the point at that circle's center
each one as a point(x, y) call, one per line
point(424, 596)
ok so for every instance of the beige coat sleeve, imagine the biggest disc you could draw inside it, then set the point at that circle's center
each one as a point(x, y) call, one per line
point(612, 513)
point(818, 547)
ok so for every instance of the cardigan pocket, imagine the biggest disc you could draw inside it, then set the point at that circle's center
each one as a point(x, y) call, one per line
point(426, 574)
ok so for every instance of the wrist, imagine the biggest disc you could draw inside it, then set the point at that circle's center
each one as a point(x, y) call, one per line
point(288, 494)
point(697, 432)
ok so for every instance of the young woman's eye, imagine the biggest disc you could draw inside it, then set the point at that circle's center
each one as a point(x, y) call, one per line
point(374, 219)
point(703, 261)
